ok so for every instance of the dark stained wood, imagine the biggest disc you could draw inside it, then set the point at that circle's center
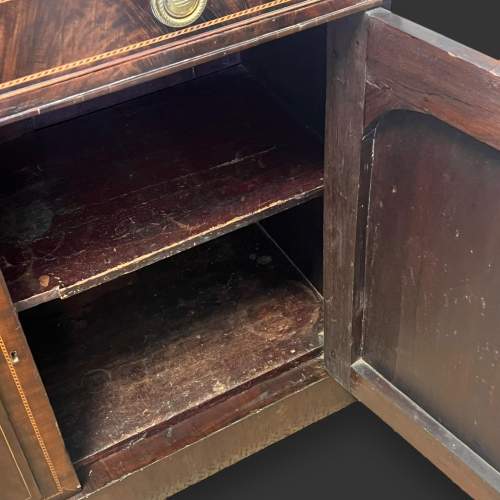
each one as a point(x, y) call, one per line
point(134, 356)
point(411, 67)
point(151, 178)
point(420, 223)
point(104, 46)
point(18, 482)
point(425, 433)
point(431, 323)
point(346, 52)
point(25, 402)
point(218, 435)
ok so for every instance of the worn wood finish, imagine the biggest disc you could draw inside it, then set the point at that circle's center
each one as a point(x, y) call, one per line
point(135, 355)
point(346, 54)
point(431, 323)
point(28, 409)
point(411, 67)
point(90, 59)
point(228, 431)
point(422, 233)
point(425, 433)
point(150, 179)
point(18, 482)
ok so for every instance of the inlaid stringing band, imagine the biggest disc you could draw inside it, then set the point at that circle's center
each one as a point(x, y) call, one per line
point(30, 415)
point(139, 45)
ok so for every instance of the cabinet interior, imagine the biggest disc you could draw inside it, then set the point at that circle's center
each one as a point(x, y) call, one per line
point(181, 222)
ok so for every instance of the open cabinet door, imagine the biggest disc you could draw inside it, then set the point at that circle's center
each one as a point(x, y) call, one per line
point(412, 239)
point(33, 459)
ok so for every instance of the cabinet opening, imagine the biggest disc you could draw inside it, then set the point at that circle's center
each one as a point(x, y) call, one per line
point(88, 199)
point(125, 361)
point(181, 222)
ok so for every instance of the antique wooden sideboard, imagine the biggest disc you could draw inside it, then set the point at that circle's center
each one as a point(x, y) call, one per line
point(220, 221)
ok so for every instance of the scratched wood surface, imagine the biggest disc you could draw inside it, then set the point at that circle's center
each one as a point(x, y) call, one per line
point(88, 200)
point(139, 352)
point(432, 290)
point(218, 435)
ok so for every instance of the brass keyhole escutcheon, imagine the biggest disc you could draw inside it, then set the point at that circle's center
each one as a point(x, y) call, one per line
point(178, 13)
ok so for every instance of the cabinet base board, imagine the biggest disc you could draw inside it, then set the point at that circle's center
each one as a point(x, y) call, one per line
point(289, 402)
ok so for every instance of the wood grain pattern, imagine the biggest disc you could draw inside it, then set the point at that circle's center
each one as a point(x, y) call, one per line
point(225, 433)
point(344, 131)
point(127, 44)
point(421, 292)
point(132, 357)
point(27, 406)
point(410, 67)
point(431, 322)
point(97, 52)
point(149, 181)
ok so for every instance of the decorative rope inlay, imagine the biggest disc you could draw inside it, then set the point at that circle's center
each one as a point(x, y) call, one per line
point(30, 415)
point(139, 45)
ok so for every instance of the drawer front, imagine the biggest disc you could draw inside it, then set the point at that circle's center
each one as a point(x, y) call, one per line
point(71, 35)
point(126, 39)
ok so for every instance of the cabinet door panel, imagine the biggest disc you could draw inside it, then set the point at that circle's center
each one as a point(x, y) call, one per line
point(27, 406)
point(432, 317)
point(412, 210)
point(17, 480)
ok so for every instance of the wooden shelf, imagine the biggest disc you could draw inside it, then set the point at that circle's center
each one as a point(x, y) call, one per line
point(136, 355)
point(219, 435)
point(107, 193)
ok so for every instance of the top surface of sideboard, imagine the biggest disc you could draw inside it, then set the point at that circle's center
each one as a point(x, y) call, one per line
point(54, 53)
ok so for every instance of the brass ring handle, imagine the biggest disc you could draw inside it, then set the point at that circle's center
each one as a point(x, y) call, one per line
point(178, 13)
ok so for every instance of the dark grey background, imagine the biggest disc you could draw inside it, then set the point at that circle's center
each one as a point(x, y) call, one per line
point(349, 455)
point(352, 454)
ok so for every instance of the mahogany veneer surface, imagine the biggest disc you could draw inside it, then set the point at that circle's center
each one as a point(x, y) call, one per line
point(54, 53)
point(146, 349)
point(93, 198)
